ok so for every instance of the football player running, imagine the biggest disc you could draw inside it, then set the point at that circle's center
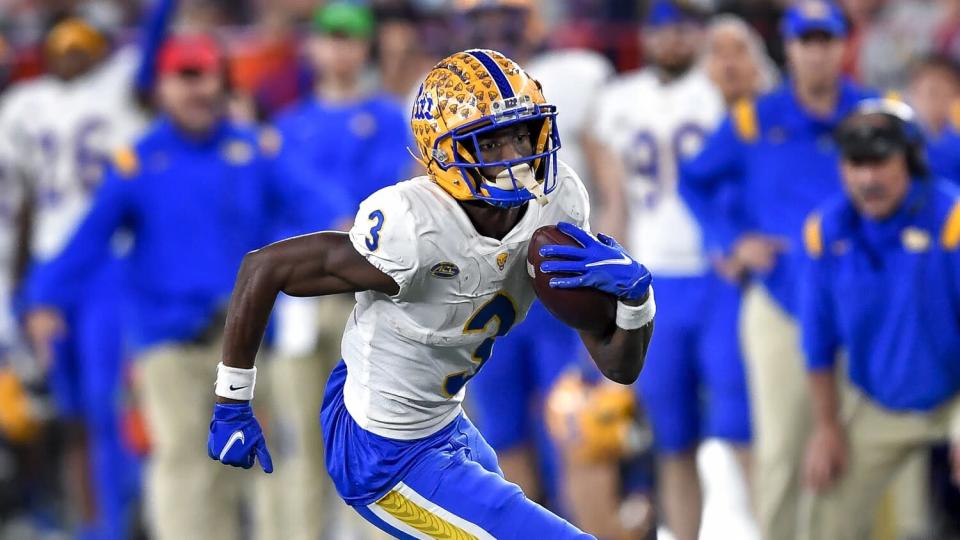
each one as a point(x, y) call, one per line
point(438, 265)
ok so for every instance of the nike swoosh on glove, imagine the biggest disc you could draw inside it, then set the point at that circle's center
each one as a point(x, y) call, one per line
point(600, 263)
point(236, 438)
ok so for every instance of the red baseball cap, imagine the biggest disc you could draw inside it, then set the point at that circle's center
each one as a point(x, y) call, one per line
point(197, 52)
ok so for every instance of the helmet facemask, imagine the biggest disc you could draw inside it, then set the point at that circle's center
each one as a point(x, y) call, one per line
point(523, 178)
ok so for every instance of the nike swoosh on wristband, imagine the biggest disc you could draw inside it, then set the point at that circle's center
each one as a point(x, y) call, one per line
point(235, 388)
point(237, 436)
point(623, 261)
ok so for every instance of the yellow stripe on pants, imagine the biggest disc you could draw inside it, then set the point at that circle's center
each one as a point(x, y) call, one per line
point(421, 519)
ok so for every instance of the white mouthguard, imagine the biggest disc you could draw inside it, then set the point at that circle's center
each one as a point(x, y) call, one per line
point(524, 175)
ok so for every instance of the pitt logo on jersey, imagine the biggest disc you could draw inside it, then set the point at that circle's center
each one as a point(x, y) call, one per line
point(501, 260)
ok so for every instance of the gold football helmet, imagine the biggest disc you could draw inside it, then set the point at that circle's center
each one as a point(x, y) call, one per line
point(475, 92)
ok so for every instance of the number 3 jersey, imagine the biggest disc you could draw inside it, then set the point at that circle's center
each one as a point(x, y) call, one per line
point(409, 356)
point(650, 126)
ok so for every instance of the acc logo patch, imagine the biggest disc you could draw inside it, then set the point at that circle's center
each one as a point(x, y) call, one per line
point(445, 270)
point(501, 260)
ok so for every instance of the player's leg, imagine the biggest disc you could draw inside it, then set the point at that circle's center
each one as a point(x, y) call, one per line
point(669, 390)
point(114, 468)
point(456, 495)
point(779, 400)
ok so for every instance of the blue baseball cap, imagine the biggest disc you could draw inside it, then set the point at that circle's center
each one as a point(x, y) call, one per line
point(667, 12)
point(813, 16)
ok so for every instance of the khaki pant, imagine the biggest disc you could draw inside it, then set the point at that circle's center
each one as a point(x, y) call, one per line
point(303, 504)
point(880, 443)
point(780, 404)
point(188, 495)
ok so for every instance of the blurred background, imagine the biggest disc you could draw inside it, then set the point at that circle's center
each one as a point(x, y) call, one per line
point(145, 145)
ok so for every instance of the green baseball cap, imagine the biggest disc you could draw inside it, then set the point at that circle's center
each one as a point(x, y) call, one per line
point(346, 18)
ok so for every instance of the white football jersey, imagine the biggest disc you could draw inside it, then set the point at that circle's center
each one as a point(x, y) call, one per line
point(61, 135)
point(571, 79)
point(652, 125)
point(409, 356)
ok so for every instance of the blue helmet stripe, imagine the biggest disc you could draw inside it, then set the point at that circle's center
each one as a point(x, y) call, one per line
point(494, 70)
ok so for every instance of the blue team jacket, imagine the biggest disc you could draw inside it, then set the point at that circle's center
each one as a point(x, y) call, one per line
point(888, 293)
point(194, 209)
point(782, 163)
point(358, 147)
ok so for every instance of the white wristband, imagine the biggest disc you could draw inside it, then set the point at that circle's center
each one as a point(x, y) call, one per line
point(235, 383)
point(633, 317)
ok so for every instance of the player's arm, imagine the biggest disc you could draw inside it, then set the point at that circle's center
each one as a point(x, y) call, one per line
point(315, 264)
point(620, 353)
point(601, 263)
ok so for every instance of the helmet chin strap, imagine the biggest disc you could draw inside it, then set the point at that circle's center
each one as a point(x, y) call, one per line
point(524, 175)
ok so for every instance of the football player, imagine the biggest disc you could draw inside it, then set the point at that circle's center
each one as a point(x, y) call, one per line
point(439, 270)
point(58, 133)
point(644, 123)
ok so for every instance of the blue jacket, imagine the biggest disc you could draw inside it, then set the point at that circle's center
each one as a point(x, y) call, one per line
point(194, 209)
point(888, 293)
point(781, 162)
point(356, 147)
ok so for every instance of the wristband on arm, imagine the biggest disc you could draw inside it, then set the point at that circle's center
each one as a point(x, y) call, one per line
point(235, 383)
point(633, 317)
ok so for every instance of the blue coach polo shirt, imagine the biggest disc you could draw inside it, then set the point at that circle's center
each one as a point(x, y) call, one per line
point(195, 207)
point(888, 292)
point(781, 161)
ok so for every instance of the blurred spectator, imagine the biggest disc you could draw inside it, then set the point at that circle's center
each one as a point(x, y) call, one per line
point(883, 284)
point(59, 131)
point(402, 56)
point(764, 16)
point(644, 123)
point(934, 92)
point(778, 155)
point(352, 137)
point(903, 31)
point(861, 14)
point(196, 195)
point(736, 61)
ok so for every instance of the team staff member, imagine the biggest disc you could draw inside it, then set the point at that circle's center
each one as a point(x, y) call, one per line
point(778, 151)
point(883, 283)
point(934, 93)
point(194, 191)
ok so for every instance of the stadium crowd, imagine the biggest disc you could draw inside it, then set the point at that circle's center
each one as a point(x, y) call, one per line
point(788, 170)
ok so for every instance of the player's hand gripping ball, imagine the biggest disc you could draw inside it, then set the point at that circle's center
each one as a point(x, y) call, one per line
point(236, 438)
point(579, 277)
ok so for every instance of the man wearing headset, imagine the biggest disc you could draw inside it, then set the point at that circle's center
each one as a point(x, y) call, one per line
point(882, 282)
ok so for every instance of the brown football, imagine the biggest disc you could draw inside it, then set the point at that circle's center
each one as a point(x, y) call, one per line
point(581, 308)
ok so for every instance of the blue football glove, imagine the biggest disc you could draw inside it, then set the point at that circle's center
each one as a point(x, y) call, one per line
point(236, 438)
point(600, 263)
